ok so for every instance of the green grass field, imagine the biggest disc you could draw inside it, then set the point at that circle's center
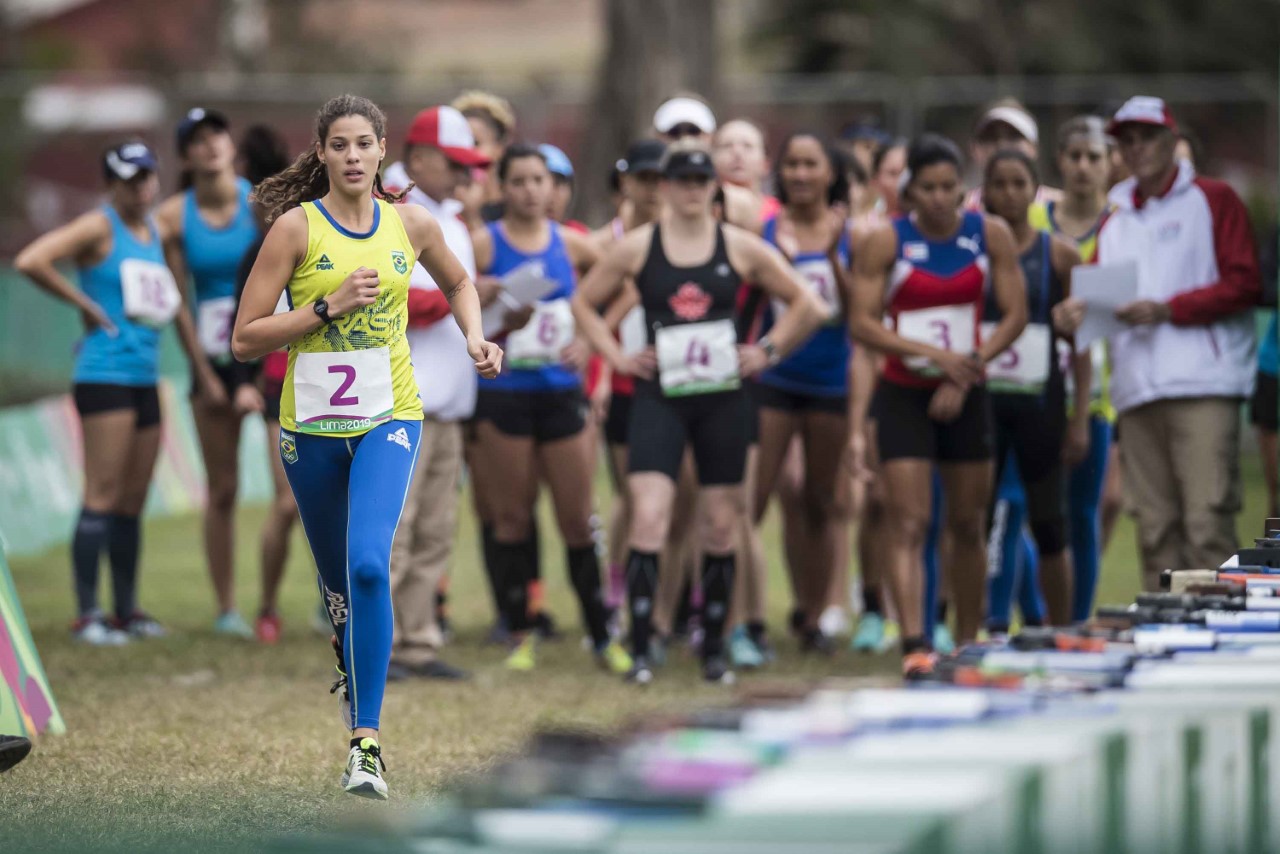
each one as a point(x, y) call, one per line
point(208, 744)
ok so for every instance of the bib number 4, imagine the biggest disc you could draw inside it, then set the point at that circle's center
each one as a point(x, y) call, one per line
point(697, 358)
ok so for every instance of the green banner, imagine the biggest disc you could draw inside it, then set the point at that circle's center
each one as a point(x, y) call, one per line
point(27, 707)
point(41, 469)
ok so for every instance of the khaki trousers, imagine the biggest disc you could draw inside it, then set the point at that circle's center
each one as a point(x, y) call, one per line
point(1181, 463)
point(423, 543)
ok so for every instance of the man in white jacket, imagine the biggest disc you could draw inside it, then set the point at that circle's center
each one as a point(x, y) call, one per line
point(439, 153)
point(1186, 362)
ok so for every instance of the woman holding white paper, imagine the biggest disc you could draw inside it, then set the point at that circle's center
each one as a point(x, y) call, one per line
point(930, 272)
point(126, 296)
point(688, 269)
point(1029, 398)
point(529, 421)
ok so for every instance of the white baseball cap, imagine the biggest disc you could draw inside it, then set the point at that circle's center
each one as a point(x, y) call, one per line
point(1143, 110)
point(678, 111)
point(1015, 117)
point(446, 129)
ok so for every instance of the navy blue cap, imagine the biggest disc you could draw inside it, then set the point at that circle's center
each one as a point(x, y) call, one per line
point(866, 130)
point(687, 163)
point(644, 155)
point(196, 118)
point(125, 161)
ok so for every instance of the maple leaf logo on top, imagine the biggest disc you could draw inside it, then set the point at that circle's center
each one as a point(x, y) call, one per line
point(690, 302)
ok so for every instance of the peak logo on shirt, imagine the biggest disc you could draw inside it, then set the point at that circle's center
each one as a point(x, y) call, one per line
point(399, 261)
point(324, 263)
point(690, 302)
point(917, 253)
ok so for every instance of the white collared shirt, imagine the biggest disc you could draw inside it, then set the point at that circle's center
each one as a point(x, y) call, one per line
point(446, 375)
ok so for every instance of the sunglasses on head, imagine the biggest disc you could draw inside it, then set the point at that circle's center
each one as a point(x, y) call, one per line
point(684, 129)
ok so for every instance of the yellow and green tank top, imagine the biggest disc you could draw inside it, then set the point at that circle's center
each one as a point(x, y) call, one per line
point(351, 375)
point(1041, 218)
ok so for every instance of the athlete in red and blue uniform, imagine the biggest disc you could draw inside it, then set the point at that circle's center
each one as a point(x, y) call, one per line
point(929, 272)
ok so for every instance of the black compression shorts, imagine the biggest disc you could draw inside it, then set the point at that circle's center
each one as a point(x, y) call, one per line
point(716, 426)
point(547, 416)
point(772, 397)
point(95, 398)
point(904, 429)
point(1263, 412)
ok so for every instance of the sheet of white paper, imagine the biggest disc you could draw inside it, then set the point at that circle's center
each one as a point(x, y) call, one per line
point(523, 286)
point(1103, 289)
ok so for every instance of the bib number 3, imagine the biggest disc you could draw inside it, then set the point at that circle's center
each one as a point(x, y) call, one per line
point(343, 392)
point(948, 327)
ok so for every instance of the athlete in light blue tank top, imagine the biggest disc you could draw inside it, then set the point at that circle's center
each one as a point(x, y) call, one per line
point(213, 254)
point(128, 357)
point(126, 297)
point(554, 263)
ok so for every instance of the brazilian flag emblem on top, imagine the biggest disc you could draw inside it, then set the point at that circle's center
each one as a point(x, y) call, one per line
point(399, 261)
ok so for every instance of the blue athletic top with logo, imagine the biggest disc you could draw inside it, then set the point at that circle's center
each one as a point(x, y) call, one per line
point(820, 365)
point(556, 265)
point(213, 254)
point(130, 357)
point(1269, 349)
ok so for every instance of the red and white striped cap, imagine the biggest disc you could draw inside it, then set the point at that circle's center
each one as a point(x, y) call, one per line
point(446, 129)
point(1142, 110)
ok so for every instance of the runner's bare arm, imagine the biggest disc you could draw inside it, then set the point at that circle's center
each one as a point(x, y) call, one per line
point(169, 222)
point(258, 331)
point(603, 284)
point(765, 266)
point(583, 251)
point(86, 239)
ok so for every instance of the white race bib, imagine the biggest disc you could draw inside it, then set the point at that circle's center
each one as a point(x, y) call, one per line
point(631, 332)
point(698, 358)
point(214, 320)
point(821, 279)
point(1024, 367)
point(947, 327)
point(151, 296)
point(342, 392)
point(548, 332)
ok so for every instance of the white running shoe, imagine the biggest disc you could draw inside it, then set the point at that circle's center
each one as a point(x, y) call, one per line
point(92, 629)
point(363, 776)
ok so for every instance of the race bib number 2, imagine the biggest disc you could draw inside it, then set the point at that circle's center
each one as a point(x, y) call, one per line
point(343, 392)
point(697, 358)
point(949, 327)
point(214, 321)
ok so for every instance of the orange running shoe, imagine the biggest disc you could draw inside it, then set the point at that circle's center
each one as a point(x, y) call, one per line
point(919, 664)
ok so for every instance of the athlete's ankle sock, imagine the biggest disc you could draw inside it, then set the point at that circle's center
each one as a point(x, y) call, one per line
point(92, 531)
point(490, 569)
point(756, 631)
point(642, 582)
point(910, 645)
point(513, 580)
point(124, 539)
point(584, 573)
point(871, 599)
point(717, 586)
point(356, 742)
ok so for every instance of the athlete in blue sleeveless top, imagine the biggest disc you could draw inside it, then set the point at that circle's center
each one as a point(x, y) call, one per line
point(126, 296)
point(806, 395)
point(1029, 390)
point(529, 421)
point(212, 226)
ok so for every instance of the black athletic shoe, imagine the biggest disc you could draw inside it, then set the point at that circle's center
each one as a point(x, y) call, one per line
point(545, 627)
point(13, 749)
point(715, 669)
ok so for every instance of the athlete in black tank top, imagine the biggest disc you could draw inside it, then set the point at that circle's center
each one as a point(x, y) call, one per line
point(689, 381)
point(672, 295)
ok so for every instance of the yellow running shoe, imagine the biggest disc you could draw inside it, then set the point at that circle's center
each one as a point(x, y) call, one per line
point(523, 658)
point(615, 659)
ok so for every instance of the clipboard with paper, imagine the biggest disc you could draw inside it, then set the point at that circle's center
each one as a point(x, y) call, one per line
point(523, 286)
point(1103, 289)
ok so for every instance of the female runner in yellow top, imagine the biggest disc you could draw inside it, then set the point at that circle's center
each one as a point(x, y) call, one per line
point(331, 283)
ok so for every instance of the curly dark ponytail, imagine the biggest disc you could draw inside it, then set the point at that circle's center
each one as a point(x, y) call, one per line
point(307, 178)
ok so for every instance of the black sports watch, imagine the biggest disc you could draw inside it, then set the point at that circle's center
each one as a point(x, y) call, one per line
point(770, 351)
point(321, 308)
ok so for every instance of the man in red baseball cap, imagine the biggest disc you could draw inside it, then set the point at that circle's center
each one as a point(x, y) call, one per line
point(1184, 365)
point(439, 153)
